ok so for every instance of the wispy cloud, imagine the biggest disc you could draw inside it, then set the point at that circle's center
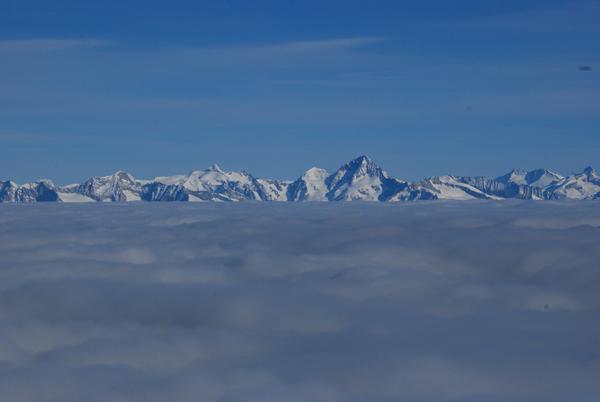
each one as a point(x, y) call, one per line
point(326, 44)
point(50, 44)
point(293, 46)
point(270, 54)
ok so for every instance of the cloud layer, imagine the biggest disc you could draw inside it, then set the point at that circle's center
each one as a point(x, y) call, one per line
point(444, 302)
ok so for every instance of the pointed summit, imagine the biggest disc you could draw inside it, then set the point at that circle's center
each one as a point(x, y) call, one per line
point(121, 175)
point(590, 172)
point(215, 168)
point(358, 167)
point(514, 176)
point(361, 159)
point(542, 178)
point(361, 179)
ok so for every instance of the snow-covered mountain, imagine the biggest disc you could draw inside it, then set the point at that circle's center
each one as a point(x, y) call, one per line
point(39, 191)
point(531, 185)
point(310, 186)
point(582, 186)
point(358, 180)
point(542, 178)
point(214, 184)
point(120, 186)
point(362, 180)
point(449, 188)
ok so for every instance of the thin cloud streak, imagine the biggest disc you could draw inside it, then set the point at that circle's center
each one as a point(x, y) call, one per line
point(50, 44)
point(291, 46)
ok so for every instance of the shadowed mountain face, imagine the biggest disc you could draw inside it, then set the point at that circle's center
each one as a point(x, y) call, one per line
point(358, 180)
point(41, 191)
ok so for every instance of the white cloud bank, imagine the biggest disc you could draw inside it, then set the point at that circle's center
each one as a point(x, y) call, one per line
point(438, 302)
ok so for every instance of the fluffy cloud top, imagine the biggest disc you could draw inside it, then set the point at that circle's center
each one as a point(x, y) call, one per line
point(255, 302)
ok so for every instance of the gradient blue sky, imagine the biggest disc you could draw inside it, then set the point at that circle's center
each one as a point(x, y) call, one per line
point(274, 87)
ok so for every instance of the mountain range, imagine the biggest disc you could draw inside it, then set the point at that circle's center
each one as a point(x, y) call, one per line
point(358, 180)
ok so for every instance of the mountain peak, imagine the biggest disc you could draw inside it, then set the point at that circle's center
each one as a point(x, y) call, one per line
point(361, 160)
point(215, 168)
point(363, 165)
point(517, 172)
point(315, 172)
point(46, 182)
point(590, 171)
point(542, 177)
point(360, 179)
point(122, 175)
point(514, 176)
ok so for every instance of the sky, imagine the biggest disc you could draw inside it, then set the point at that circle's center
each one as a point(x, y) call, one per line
point(275, 87)
point(409, 302)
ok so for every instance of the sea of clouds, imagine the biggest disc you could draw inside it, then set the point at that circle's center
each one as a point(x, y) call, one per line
point(483, 301)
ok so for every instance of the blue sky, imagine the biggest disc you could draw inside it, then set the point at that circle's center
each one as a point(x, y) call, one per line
point(274, 87)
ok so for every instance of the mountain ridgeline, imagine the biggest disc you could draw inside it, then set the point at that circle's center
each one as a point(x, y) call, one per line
point(358, 180)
